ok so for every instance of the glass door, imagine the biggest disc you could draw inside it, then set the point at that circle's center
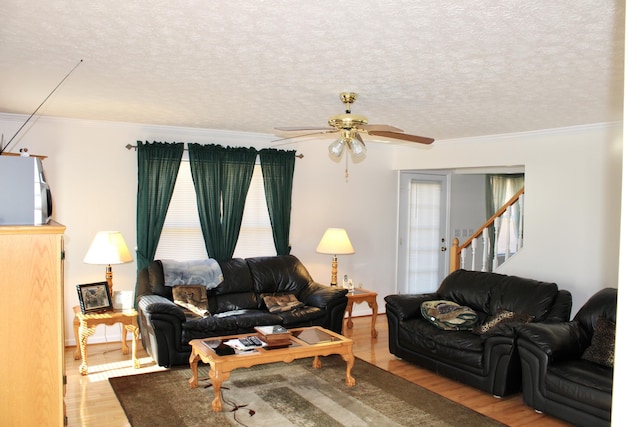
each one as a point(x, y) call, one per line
point(422, 247)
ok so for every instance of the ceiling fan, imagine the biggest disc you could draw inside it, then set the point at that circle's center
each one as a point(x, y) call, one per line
point(351, 126)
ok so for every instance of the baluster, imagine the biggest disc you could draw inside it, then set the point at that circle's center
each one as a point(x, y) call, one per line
point(463, 257)
point(507, 240)
point(485, 248)
point(474, 245)
point(496, 227)
point(520, 222)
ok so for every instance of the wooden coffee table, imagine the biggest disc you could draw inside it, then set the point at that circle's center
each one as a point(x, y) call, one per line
point(305, 342)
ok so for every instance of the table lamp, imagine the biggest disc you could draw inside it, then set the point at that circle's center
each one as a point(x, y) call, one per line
point(335, 241)
point(108, 247)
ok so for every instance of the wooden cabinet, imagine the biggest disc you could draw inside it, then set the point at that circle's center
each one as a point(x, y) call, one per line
point(32, 327)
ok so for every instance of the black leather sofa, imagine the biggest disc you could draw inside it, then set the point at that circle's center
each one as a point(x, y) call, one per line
point(557, 380)
point(236, 305)
point(487, 361)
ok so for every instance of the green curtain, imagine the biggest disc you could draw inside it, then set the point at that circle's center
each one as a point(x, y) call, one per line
point(277, 172)
point(158, 165)
point(205, 164)
point(221, 177)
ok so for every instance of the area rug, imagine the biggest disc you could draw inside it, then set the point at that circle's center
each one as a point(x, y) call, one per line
point(289, 394)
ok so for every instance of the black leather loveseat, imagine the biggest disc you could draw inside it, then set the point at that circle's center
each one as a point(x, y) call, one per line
point(568, 367)
point(235, 305)
point(486, 360)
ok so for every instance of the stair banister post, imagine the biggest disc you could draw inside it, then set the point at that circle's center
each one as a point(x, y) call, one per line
point(454, 256)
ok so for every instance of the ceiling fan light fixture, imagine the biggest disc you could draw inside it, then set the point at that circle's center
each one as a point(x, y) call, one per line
point(357, 147)
point(336, 148)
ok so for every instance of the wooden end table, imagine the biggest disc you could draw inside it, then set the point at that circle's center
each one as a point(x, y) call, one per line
point(313, 342)
point(357, 296)
point(84, 325)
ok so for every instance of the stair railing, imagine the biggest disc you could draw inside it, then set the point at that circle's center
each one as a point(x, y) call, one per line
point(501, 218)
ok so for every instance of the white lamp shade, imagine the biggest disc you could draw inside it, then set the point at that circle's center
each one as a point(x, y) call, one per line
point(335, 241)
point(108, 247)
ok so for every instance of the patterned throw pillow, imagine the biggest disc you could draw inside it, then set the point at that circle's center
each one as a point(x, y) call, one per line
point(280, 303)
point(193, 298)
point(602, 346)
point(448, 315)
point(500, 317)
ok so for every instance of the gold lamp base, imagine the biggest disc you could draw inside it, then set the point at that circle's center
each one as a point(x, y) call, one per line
point(334, 271)
point(109, 277)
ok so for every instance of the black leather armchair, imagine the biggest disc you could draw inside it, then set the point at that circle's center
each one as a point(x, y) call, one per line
point(556, 380)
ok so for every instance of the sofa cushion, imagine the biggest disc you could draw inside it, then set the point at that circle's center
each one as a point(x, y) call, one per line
point(236, 277)
point(193, 298)
point(280, 303)
point(228, 323)
point(448, 315)
point(305, 316)
point(156, 280)
point(470, 288)
point(284, 274)
point(602, 345)
point(522, 295)
point(460, 348)
point(234, 301)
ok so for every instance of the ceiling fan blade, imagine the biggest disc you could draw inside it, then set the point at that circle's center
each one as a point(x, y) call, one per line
point(381, 128)
point(403, 136)
point(302, 128)
point(306, 134)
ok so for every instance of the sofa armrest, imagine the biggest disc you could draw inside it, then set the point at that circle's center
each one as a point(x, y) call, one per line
point(407, 306)
point(321, 296)
point(557, 341)
point(156, 304)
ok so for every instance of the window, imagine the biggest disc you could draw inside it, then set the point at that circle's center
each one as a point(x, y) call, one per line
point(181, 237)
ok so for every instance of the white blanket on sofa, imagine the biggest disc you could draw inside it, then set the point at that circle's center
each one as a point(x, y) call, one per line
point(205, 272)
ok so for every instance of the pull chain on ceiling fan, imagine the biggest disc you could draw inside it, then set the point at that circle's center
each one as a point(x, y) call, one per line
point(351, 126)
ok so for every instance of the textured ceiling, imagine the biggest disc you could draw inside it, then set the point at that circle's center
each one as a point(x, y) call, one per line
point(443, 69)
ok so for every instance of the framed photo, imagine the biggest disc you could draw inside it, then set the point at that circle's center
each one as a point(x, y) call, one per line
point(94, 297)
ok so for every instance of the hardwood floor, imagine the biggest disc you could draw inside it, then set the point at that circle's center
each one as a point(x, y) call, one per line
point(91, 402)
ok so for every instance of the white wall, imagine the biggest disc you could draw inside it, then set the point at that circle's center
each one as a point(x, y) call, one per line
point(572, 199)
point(93, 179)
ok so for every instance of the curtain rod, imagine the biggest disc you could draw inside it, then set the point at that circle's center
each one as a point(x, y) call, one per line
point(135, 148)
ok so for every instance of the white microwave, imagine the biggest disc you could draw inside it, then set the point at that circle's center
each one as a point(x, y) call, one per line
point(25, 198)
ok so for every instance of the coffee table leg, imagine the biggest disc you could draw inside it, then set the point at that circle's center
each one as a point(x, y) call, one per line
point(317, 364)
point(349, 381)
point(217, 378)
point(349, 311)
point(193, 363)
